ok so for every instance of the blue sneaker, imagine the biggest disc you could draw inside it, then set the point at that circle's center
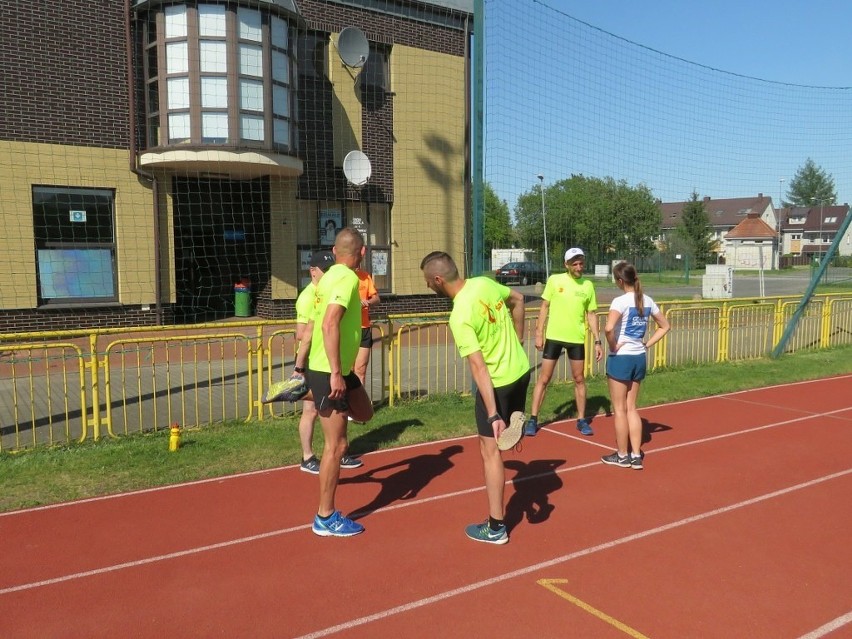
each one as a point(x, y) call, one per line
point(350, 462)
point(483, 532)
point(336, 526)
point(584, 428)
point(310, 465)
point(531, 427)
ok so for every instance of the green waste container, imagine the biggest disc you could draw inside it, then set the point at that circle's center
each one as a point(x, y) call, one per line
point(242, 299)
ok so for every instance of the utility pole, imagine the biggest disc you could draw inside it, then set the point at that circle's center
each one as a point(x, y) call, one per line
point(778, 221)
point(544, 228)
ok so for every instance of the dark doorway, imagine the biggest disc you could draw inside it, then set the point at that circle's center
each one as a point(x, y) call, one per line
point(221, 232)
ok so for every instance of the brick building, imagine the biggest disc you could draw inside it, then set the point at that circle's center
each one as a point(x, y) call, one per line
point(154, 153)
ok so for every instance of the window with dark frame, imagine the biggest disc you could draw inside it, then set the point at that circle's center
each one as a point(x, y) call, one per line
point(371, 219)
point(74, 244)
point(375, 76)
point(219, 74)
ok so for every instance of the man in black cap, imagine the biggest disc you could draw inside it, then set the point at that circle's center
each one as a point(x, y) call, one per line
point(305, 303)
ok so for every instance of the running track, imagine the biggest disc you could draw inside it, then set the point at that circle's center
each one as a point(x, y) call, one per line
point(739, 526)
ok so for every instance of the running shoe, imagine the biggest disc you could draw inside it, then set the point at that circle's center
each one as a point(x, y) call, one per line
point(514, 431)
point(350, 462)
point(336, 526)
point(483, 532)
point(310, 465)
point(531, 427)
point(636, 462)
point(288, 390)
point(584, 428)
point(614, 459)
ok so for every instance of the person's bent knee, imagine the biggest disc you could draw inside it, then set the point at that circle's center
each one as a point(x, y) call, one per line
point(360, 405)
point(361, 414)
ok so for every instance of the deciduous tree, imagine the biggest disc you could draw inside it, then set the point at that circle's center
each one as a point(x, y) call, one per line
point(607, 218)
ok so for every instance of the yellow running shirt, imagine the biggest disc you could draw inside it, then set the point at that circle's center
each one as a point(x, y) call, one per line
point(305, 304)
point(481, 321)
point(569, 301)
point(339, 285)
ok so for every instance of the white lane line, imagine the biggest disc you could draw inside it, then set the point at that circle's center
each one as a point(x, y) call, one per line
point(70, 504)
point(199, 482)
point(746, 431)
point(150, 560)
point(793, 420)
point(384, 614)
point(397, 506)
point(830, 627)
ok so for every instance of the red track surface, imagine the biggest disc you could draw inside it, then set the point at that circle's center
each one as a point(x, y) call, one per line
point(739, 526)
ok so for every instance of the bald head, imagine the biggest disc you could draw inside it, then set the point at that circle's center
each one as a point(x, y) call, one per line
point(348, 241)
point(349, 247)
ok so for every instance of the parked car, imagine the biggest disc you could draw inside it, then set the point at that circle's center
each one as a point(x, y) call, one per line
point(522, 273)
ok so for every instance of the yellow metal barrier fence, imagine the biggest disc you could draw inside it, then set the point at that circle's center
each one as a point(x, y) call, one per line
point(59, 387)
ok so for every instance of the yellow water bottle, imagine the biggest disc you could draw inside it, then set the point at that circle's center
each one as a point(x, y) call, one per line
point(174, 437)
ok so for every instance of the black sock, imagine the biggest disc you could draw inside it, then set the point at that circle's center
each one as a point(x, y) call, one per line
point(495, 524)
point(326, 518)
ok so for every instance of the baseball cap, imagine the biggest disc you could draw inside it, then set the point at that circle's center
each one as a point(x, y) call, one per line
point(572, 253)
point(322, 259)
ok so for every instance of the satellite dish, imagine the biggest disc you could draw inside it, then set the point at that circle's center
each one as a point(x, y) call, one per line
point(357, 168)
point(352, 47)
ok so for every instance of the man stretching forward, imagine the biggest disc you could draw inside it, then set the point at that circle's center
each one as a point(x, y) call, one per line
point(574, 304)
point(487, 322)
point(336, 390)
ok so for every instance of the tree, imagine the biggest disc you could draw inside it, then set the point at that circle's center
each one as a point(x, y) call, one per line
point(695, 232)
point(497, 225)
point(810, 185)
point(608, 219)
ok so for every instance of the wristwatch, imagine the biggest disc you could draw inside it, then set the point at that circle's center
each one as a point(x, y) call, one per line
point(598, 342)
point(495, 417)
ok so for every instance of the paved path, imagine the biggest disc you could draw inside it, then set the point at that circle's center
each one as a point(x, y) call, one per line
point(745, 285)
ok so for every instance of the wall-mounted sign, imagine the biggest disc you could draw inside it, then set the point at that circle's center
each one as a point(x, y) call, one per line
point(330, 222)
point(77, 216)
point(360, 223)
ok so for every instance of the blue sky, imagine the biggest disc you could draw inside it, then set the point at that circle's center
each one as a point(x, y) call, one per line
point(675, 108)
point(792, 41)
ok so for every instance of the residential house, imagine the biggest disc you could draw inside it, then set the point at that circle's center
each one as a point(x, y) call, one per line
point(751, 244)
point(724, 215)
point(810, 230)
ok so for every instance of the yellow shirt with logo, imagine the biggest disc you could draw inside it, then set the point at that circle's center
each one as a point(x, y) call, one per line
point(481, 321)
point(305, 304)
point(570, 299)
point(339, 285)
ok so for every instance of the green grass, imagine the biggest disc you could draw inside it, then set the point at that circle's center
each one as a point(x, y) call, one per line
point(50, 475)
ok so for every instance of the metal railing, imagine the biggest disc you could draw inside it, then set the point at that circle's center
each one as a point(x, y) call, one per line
point(60, 387)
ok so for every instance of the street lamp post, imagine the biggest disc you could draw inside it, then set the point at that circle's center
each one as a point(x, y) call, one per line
point(821, 216)
point(544, 228)
point(780, 238)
